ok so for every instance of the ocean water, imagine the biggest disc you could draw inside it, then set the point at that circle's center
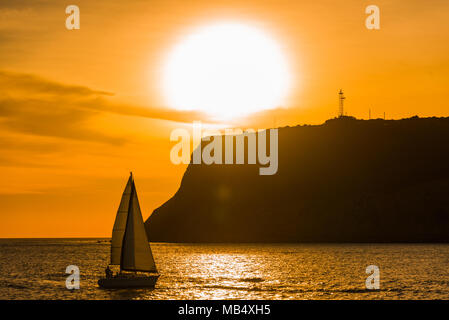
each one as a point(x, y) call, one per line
point(35, 269)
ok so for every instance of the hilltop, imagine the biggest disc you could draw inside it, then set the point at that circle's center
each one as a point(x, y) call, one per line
point(346, 180)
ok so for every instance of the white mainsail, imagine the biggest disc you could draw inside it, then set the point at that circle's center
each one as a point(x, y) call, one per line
point(134, 252)
point(120, 224)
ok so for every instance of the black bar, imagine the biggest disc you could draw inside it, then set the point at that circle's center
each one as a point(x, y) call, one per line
point(247, 309)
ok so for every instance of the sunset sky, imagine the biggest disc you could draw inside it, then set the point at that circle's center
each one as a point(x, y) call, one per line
point(79, 109)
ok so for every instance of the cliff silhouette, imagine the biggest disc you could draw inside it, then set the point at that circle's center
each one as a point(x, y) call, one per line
point(346, 180)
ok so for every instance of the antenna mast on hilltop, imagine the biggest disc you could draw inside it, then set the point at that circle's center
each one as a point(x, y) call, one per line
point(341, 99)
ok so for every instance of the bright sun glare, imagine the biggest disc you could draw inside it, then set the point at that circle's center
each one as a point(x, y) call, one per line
point(226, 70)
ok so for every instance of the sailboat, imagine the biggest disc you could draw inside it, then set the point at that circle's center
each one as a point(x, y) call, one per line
point(130, 248)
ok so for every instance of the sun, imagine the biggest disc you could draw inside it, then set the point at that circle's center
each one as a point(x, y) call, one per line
point(226, 70)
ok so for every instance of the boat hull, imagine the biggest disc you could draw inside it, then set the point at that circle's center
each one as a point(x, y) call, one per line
point(128, 282)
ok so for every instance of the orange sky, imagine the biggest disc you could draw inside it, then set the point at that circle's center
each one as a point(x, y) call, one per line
point(80, 109)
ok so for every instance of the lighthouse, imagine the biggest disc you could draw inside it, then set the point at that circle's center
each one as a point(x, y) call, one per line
point(341, 99)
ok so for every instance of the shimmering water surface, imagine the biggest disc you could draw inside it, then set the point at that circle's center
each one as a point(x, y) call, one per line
point(35, 269)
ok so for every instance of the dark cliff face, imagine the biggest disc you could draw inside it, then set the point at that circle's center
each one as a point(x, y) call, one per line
point(344, 181)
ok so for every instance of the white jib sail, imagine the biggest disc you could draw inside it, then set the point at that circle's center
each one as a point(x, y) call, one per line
point(136, 251)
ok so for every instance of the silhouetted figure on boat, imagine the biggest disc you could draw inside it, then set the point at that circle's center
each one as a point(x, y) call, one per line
point(109, 272)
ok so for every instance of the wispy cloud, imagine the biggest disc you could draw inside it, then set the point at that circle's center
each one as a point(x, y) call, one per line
point(100, 104)
point(34, 105)
point(47, 118)
point(28, 83)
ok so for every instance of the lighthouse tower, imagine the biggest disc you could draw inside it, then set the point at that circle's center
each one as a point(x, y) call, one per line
point(341, 99)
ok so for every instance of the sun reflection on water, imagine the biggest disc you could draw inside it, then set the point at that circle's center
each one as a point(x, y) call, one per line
point(35, 270)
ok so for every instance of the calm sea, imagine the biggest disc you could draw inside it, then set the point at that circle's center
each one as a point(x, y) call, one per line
point(35, 269)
